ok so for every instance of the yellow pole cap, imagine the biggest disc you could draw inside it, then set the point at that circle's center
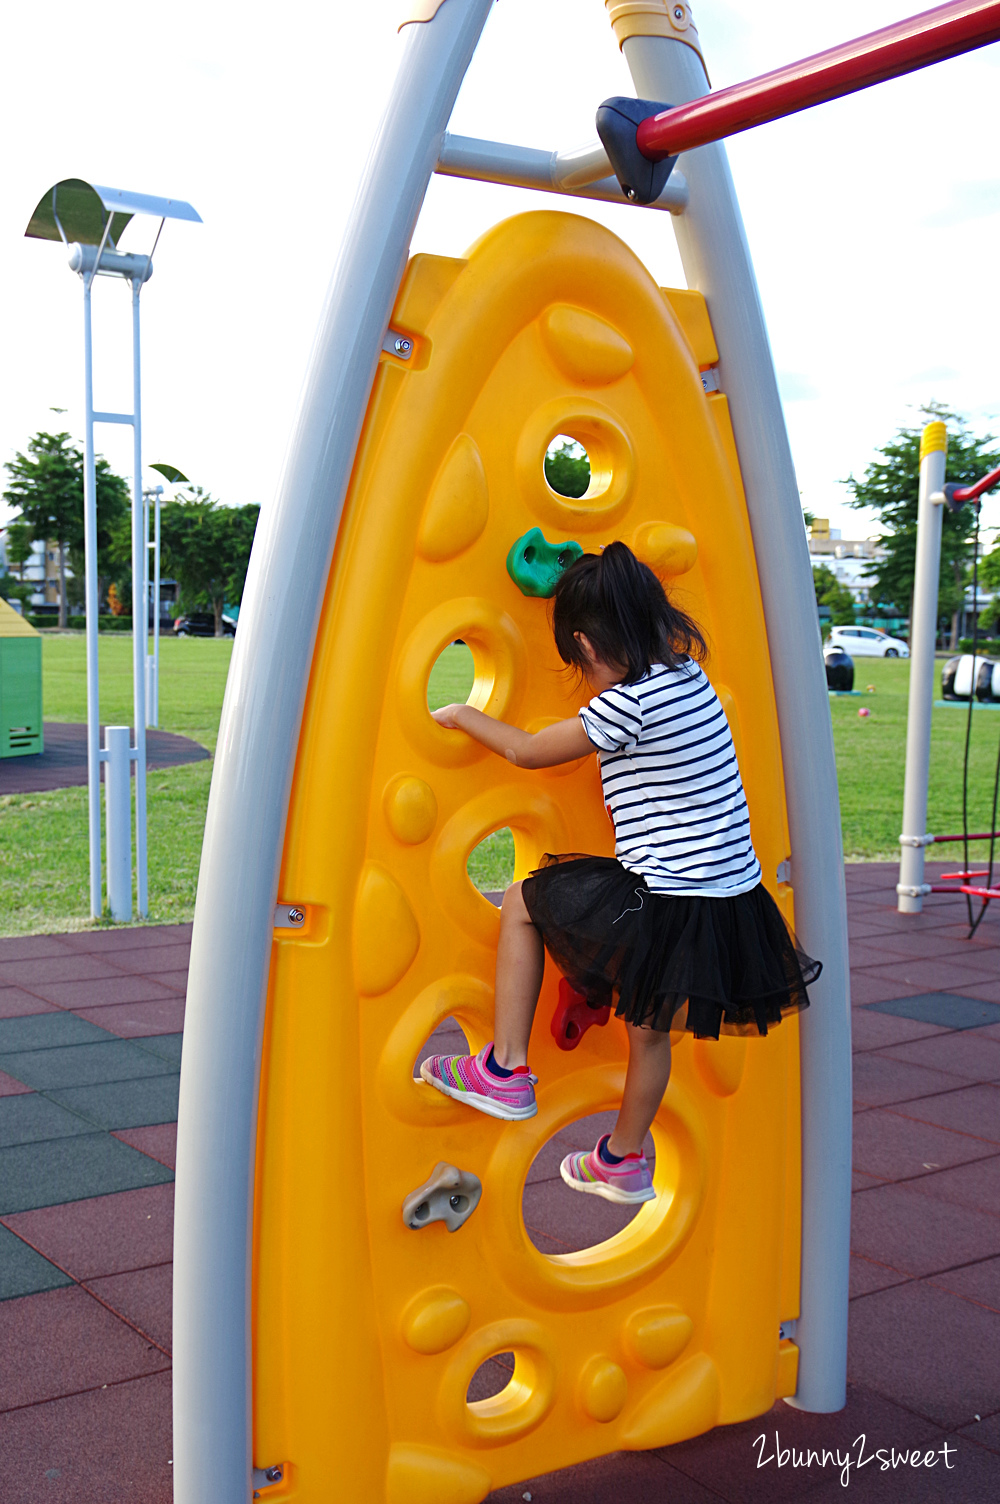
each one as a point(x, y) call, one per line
point(654, 18)
point(418, 10)
point(934, 437)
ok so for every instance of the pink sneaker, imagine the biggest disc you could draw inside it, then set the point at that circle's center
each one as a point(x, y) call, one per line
point(467, 1079)
point(627, 1182)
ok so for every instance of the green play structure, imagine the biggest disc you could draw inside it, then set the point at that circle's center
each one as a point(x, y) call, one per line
point(20, 685)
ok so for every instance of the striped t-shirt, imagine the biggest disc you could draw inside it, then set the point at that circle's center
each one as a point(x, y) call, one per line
point(672, 783)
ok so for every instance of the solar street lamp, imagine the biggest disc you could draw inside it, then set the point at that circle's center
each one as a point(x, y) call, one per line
point(89, 219)
point(151, 591)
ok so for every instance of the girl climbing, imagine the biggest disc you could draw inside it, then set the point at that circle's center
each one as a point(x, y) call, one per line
point(676, 929)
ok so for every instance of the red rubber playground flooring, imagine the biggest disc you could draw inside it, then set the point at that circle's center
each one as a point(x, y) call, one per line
point(90, 1034)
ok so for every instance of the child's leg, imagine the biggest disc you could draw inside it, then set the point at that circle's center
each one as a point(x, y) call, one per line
point(520, 963)
point(645, 1083)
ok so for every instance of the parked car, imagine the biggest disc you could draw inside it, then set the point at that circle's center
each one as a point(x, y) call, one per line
point(202, 624)
point(866, 642)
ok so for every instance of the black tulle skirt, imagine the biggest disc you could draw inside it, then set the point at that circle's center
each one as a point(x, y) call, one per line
point(732, 960)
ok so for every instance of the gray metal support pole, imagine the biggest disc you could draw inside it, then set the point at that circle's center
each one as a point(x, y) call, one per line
point(153, 709)
point(911, 887)
point(90, 606)
point(716, 260)
point(140, 565)
point(118, 814)
point(237, 888)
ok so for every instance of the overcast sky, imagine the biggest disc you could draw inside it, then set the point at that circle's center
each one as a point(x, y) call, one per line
point(873, 221)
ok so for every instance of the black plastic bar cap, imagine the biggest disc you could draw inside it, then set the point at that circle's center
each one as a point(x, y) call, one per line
point(618, 121)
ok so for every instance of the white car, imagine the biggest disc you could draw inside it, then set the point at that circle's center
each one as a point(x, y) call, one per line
point(865, 642)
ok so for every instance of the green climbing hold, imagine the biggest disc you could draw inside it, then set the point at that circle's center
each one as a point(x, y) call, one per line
point(535, 565)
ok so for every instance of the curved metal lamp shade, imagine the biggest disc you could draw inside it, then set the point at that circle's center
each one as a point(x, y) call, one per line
point(73, 210)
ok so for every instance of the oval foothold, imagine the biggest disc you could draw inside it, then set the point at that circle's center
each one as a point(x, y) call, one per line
point(435, 1319)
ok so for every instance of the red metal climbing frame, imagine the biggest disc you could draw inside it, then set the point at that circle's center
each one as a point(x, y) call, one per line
point(946, 31)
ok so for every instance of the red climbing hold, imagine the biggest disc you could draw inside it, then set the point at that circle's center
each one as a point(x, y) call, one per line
point(573, 1017)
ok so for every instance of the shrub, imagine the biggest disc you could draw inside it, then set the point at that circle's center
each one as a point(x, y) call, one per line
point(987, 646)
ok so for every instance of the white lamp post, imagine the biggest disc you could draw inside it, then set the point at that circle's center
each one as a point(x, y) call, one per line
point(151, 597)
point(153, 499)
point(89, 220)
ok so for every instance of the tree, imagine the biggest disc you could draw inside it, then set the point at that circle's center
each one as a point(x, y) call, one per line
point(19, 545)
point(831, 592)
point(890, 485)
point(989, 579)
point(47, 488)
point(13, 589)
point(206, 547)
point(567, 469)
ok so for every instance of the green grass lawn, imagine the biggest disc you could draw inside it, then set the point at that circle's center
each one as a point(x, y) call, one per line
point(43, 837)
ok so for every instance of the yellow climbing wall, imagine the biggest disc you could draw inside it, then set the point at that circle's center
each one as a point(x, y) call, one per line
point(366, 1334)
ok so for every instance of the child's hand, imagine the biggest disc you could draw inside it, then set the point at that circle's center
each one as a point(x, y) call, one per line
point(446, 716)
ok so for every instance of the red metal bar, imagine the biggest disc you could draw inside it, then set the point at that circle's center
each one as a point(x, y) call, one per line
point(946, 31)
point(973, 492)
point(954, 877)
point(987, 893)
point(983, 836)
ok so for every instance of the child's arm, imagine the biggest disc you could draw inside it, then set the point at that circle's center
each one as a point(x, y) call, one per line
point(563, 742)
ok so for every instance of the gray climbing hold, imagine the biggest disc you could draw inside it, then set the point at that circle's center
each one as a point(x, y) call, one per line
point(449, 1196)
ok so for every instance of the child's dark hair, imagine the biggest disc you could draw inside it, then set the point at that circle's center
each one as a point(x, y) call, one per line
point(620, 605)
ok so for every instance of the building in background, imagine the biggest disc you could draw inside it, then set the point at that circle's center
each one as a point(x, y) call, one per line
point(849, 559)
point(41, 570)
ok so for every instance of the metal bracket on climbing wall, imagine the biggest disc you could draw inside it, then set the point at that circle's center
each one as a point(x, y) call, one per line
point(264, 1478)
point(400, 345)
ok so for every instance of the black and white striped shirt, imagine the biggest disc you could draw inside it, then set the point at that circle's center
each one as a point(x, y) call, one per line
point(672, 783)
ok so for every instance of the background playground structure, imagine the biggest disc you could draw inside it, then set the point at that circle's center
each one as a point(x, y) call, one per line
point(43, 836)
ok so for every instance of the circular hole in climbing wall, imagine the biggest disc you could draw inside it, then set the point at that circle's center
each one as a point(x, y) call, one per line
point(490, 1378)
point(451, 677)
point(491, 864)
point(567, 466)
point(559, 1219)
point(448, 1039)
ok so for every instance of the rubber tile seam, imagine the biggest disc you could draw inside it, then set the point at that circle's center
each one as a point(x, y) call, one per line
point(927, 1175)
point(133, 1269)
point(92, 1123)
point(871, 1049)
point(926, 1122)
point(910, 1279)
point(72, 1394)
point(925, 1096)
point(930, 1279)
point(109, 1308)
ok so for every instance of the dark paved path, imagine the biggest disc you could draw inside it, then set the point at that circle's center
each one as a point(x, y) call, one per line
point(89, 1043)
point(63, 764)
